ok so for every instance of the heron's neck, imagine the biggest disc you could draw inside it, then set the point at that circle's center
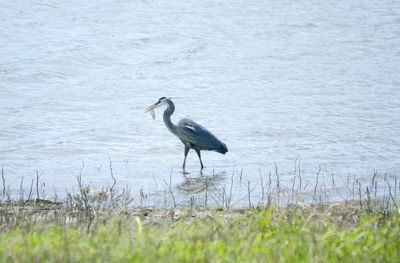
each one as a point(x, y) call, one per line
point(167, 116)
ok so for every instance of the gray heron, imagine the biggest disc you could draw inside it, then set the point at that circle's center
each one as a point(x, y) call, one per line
point(192, 135)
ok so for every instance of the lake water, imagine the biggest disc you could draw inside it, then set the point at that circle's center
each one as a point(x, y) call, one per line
point(285, 82)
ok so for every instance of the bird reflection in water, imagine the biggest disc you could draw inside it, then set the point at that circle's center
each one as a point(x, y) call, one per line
point(201, 182)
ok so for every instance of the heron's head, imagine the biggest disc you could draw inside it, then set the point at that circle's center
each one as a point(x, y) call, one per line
point(161, 101)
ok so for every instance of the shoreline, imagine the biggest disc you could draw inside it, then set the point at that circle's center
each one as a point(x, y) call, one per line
point(334, 232)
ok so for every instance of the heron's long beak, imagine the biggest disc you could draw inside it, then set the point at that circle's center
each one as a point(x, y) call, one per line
point(151, 107)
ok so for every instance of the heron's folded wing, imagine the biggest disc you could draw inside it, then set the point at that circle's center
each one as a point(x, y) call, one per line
point(197, 135)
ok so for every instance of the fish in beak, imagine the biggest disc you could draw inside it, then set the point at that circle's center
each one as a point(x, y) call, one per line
point(151, 110)
point(159, 103)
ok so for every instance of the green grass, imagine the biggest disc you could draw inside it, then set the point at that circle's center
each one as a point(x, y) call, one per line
point(292, 234)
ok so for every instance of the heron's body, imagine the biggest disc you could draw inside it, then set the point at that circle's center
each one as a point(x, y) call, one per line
point(191, 134)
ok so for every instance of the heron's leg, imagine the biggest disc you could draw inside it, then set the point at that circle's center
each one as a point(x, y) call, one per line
point(201, 163)
point(186, 153)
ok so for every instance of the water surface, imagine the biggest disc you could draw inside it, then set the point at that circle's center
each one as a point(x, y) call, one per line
point(315, 82)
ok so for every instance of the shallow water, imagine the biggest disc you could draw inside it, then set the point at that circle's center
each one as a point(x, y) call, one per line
point(315, 82)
